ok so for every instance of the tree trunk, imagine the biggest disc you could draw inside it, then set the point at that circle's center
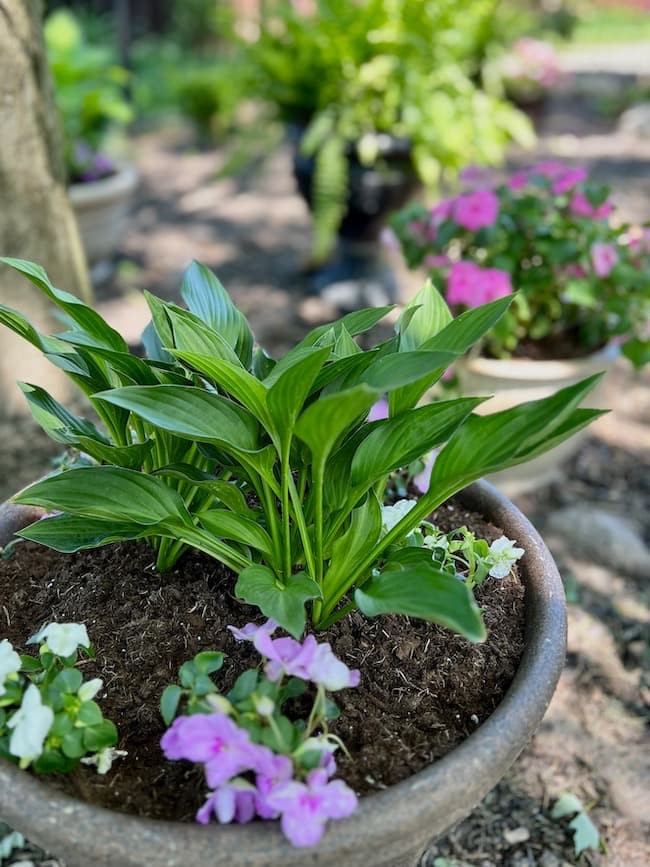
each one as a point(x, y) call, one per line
point(36, 219)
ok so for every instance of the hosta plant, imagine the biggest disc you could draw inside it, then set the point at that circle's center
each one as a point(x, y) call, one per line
point(271, 466)
point(547, 234)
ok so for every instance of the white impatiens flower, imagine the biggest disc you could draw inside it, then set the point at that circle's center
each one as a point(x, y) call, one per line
point(88, 690)
point(31, 724)
point(62, 638)
point(9, 663)
point(392, 515)
point(104, 759)
point(502, 555)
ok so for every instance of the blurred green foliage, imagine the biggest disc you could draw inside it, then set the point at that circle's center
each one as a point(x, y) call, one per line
point(351, 72)
point(89, 85)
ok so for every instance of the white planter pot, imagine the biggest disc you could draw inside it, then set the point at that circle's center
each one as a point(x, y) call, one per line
point(516, 380)
point(101, 208)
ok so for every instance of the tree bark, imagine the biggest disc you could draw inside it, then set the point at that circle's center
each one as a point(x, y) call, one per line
point(36, 219)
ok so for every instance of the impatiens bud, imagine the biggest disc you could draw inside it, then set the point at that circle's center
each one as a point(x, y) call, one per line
point(265, 706)
point(9, 663)
point(62, 638)
point(88, 690)
point(31, 724)
point(219, 703)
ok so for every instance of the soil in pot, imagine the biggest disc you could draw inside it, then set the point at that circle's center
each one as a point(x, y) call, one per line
point(423, 689)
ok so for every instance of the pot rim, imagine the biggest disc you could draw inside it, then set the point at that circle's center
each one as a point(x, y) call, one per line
point(121, 183)
point(419, 807)
point(534, 370)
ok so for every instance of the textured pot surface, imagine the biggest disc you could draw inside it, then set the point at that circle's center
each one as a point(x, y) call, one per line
point(391, 828)
point(101, 208)
point(511, 381)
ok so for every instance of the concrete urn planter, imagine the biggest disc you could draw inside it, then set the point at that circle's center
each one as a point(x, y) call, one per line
point(391, 828)
point(512, 381)
point(101, 208)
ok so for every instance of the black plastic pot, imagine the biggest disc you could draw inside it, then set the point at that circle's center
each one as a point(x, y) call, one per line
point(391, 828)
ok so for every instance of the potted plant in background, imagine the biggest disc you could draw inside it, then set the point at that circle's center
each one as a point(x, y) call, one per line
point(583, 284)
point(90, 94)
point(272, 469)
point(378, 102)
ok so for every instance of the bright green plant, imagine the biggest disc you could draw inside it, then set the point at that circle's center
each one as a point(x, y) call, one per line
point(89, 91)
point(352, 72)
point(271, 467)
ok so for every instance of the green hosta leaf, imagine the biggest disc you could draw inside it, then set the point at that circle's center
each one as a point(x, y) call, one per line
point(89, 321)
point(424, 592)
point(344, 346)
point(227, 525)
point(56, 421)
point(337, 375)
point(233, 379)
point(430, 317)
point(20, 326)
point(227, 492)
point(154, 346)
point(132, 456)
point(467, 329)
point(169, 702)
point(323, 423)
point(357, 322)
point(127, 368)
point(403, 368)
point(485, 444)
point(284, 603)
point(351, 548)
point(69, 533)
point(189, 412)
point(160, 324)
point(290, 388)
point(206, 297)
point(109, 493)
point(191, 334)
point(395, 442)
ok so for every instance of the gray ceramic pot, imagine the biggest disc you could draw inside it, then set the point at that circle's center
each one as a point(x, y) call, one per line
point(391, 828)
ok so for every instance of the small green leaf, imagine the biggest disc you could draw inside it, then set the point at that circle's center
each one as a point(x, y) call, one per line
point(284, 603)
point(89, 714)
point(424, 592)
point(585, 833)
point(169, 702)
point(100, 736)
point(244, 686)
point(566, 805)
point(209, 661)
point(72, 745)
point(29, 664)
point(68, 680)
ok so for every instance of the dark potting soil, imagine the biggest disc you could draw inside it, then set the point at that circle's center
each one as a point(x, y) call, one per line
point(423, 689)
point(557, 346)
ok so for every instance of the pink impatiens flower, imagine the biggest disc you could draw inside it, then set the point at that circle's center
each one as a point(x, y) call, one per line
point(306, 807)
point(582, 207)
point(213, 739)
point(603, 258)
point(471, 285)
point(248, 632)
point(442, 211)
point(517, 181)
point(549, 169)
point(327, 670)
point(463, 284)
point(285, 655)
point(272, 770)
point(474, 211)
point(568, 180)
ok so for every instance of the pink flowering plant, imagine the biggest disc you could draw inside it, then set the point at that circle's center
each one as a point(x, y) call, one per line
point(277, 468)
point(545, 234)
point(258, 760)
point(49, 719)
